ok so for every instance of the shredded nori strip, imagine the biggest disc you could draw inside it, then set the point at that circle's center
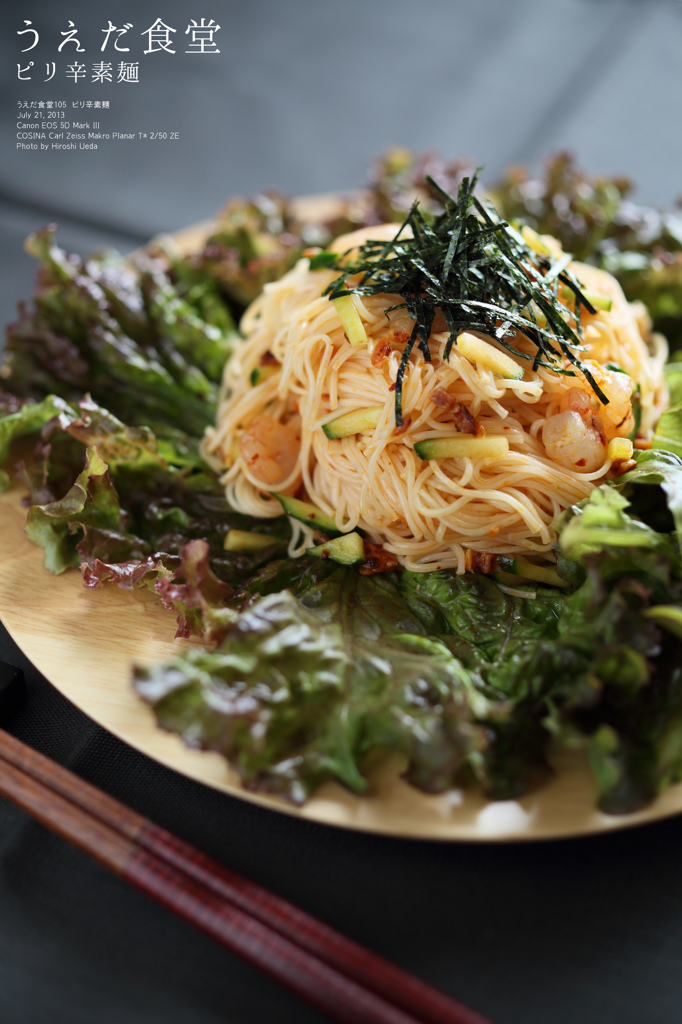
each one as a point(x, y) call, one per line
point(479, 271)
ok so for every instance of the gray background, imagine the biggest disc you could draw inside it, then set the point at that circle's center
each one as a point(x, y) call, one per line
point(301, 95)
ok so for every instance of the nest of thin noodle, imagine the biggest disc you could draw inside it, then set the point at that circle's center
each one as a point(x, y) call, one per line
point(428, 513)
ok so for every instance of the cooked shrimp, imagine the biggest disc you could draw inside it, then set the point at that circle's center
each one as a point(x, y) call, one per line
point(270, 449)
point(574, 441)
point(615, 419)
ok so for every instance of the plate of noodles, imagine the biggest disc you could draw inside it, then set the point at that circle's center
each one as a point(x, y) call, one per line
point(418, 518)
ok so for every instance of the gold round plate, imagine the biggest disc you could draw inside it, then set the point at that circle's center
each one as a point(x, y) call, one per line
point(84, 641)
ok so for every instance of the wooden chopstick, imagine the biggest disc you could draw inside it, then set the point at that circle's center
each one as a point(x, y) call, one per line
point(338, 976)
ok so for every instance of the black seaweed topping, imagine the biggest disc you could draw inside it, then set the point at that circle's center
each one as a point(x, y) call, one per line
point(478, 270)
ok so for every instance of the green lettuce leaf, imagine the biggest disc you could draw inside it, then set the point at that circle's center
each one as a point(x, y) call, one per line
point(197, 595)
point(654, 489)
point(28, 420)
point(137, 448)
point(85, 523)
point(601, 521)
point(477, 612)
point(294, 697)
point(668, 433)
point(131, 573)
point(203, 345)
point(673, 379)
point(185, 584)
point(159, 493)
point(320, 667)
point(140, 352)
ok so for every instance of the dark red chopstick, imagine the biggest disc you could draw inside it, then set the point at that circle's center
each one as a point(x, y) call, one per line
point(338, 976)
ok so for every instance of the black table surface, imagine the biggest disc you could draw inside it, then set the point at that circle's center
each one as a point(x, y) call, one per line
point(300, 95)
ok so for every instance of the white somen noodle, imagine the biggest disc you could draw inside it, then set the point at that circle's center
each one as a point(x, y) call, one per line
point(426, 512)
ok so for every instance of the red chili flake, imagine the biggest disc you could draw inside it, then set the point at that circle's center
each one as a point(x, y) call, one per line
point(392, 387)
point(381, 352)
point(267, 359)
point(398, 337)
